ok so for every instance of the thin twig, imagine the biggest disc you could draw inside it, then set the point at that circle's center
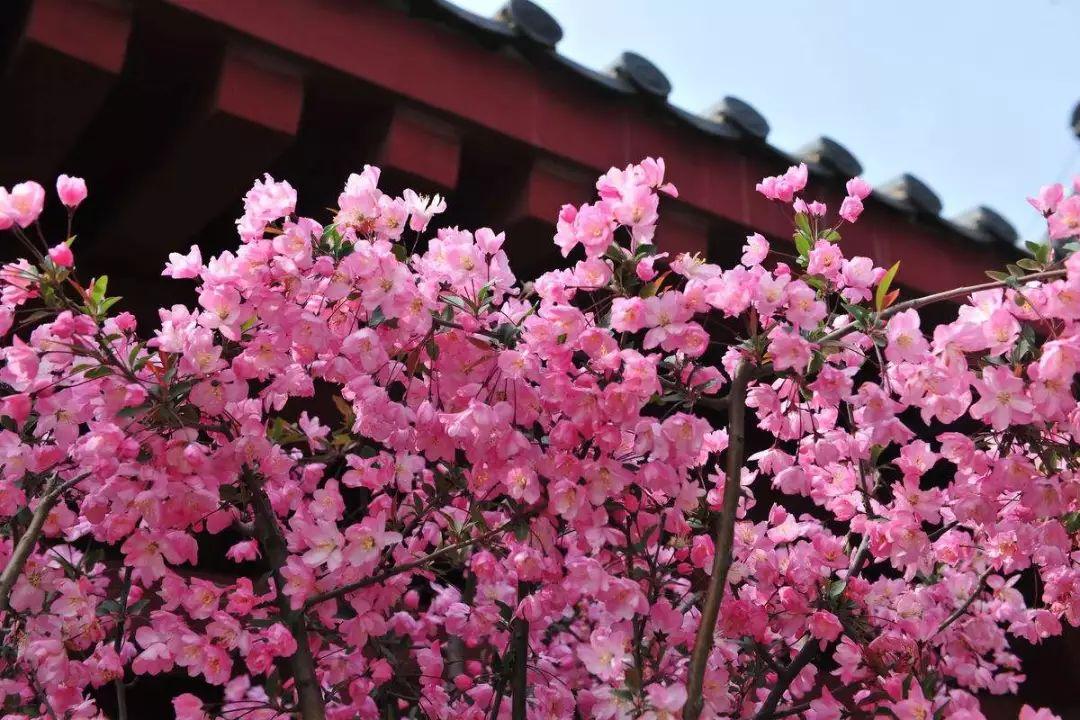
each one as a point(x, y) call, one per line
point(121, 689)
point(925, 300)
point(959, 612)
point(398, 569)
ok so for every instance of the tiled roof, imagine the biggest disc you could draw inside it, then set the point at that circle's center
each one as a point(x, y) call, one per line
point(525, 25)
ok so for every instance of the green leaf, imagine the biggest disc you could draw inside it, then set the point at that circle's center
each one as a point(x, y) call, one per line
point(836, 588)
point(133, 410)
point(97, 292)
point(1043, 254)
point(507, 333)
point(345, 409)
point(997, 275)
point(108, 607)
point(803, 223)
point(802, 244)
point(883, 286)
point(400, 252)
point(1041, 251)
point(1015, 270)
point(99, 372)
point(1071, 521)
point(1029, 264)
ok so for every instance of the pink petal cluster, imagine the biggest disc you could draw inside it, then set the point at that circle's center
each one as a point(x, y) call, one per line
point(353, 479)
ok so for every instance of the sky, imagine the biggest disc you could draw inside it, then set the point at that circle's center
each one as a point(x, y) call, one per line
point(974, 97)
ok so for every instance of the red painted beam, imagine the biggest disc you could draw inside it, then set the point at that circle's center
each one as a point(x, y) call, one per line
point(76, 49)
point(548, 186)
point(450, 72)
point(422, 146)
point(681, 231)
point(251, 117)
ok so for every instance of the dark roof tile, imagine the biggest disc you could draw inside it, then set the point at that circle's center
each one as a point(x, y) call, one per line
point(910, 193)
point(742, 115)
point(986, 225)
point(532, 22)
point(643, 75)
point(831, 157)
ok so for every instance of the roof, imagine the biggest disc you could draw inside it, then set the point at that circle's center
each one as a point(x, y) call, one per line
point(179, 104)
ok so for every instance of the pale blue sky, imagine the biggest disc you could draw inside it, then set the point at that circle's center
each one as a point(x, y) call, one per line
point(973, 96)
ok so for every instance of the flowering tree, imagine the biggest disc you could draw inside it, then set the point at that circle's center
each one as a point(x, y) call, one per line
point(467, 497)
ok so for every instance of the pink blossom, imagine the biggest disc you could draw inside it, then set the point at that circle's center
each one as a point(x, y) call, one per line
point(1064, 222)
point(858, 188)
point(1002, 398)
point(61, 255)
point(1029, 713)
point(784, 187)
point(906, 341)
point(755, 250)
point(421, 209)
point(851, 208)
point(71, 190)
point(825, 626)
point(23, 204)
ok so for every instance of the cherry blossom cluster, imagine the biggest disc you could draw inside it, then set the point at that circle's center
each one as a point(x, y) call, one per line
point(447, 493)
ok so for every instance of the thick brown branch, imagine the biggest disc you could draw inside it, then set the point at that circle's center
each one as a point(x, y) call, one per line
point(786, 677)
point(519, 638)
point(302, 664)
point(724, 540)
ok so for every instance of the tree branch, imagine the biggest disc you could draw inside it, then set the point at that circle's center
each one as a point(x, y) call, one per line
point(724, 540)
point(785, 678)
point(787, 712)
point(30, 538)
point(519, 638)
point(919, 302)
point(959, 612)
point(398, 569)
point(302, 664)
point(121, 690)
point(807, 654)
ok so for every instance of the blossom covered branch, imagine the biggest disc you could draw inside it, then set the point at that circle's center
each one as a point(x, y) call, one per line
point(639, 486)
